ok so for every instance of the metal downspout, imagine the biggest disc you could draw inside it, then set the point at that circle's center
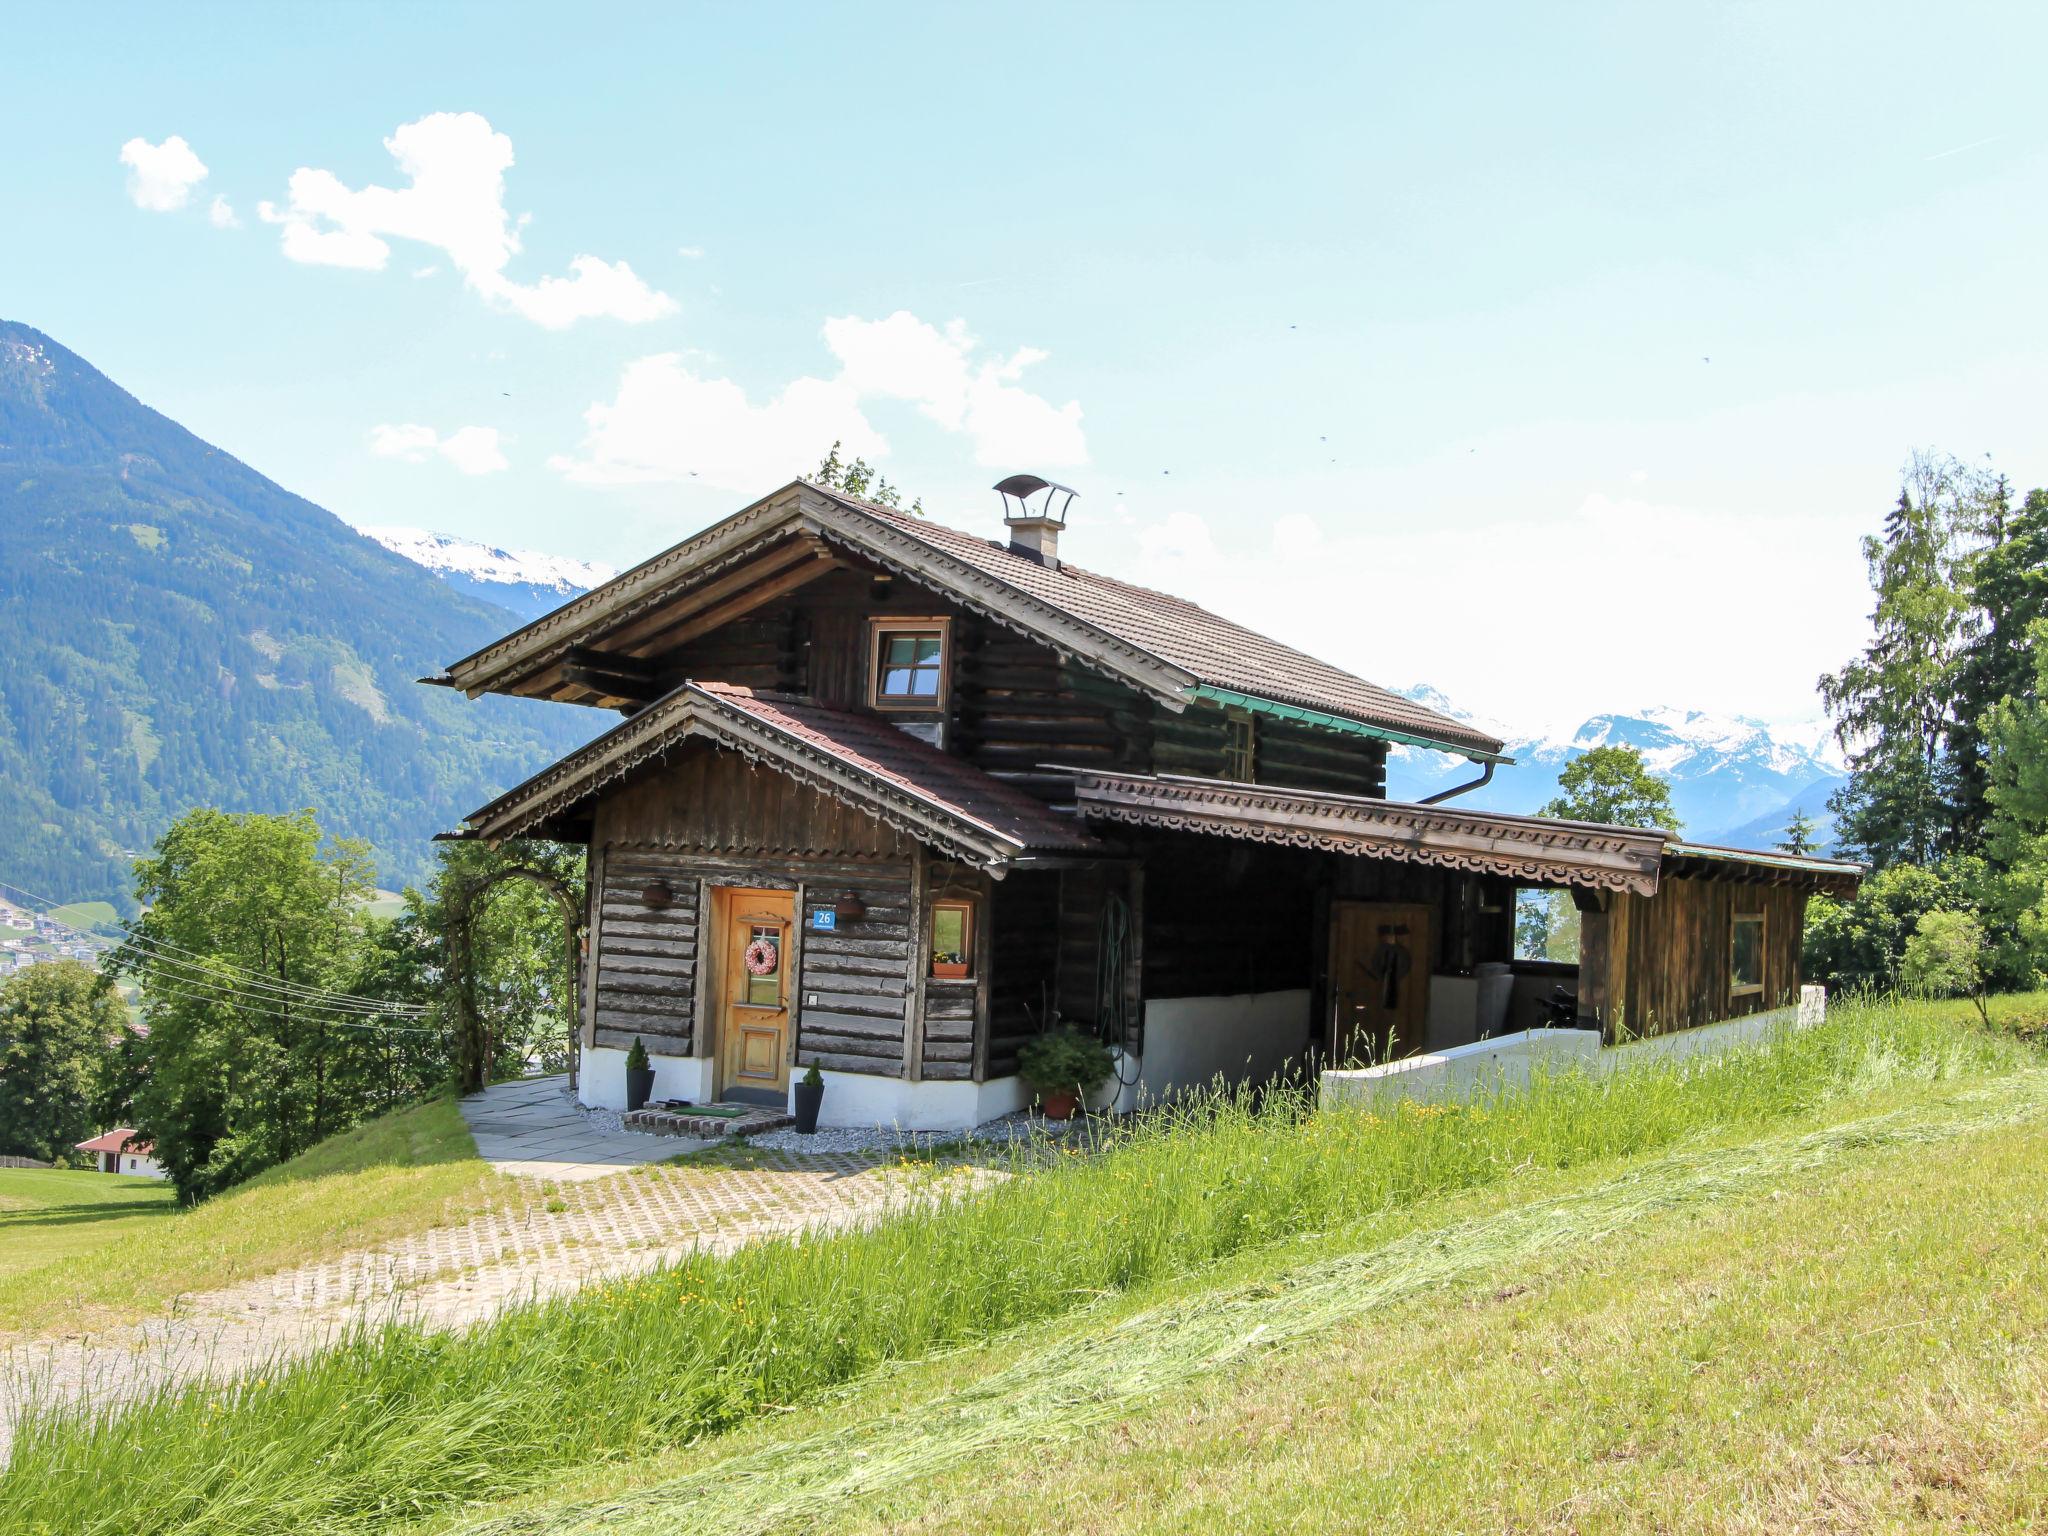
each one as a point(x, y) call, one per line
point(1485, 776)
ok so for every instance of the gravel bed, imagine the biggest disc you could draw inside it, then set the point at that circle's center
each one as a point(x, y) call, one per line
point(1020, 1126)
point(607, 1122)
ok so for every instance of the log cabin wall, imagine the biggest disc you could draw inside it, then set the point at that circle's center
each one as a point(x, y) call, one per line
point(1092, 899)
point(1024, 949)
point(862, 974)
point(644, 959)
point(954, 1007)
point(1222, 917)
point(1302, 757)
point(1665, 962)
point(707, 817)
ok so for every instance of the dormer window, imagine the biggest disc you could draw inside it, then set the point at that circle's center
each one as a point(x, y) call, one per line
point(908, 665)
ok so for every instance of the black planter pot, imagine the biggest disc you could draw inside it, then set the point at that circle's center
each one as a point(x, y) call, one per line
point(639, 1084)
point(810, 1098)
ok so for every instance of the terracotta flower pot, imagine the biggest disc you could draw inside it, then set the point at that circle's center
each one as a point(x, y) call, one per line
point(1059, 1105)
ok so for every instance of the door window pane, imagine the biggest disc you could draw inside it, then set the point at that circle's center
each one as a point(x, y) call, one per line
point(764, 966)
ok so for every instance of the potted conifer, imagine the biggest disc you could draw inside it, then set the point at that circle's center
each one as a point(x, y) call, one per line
point(1064, 1066)
point(639, 1077)
point(810, 1098)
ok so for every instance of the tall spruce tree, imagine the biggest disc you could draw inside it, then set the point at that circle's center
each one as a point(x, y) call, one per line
point(1893, 704)
point(2008, 586)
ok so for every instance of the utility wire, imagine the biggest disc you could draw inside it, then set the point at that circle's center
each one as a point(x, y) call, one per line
point(274, 1012)
point(162, 952)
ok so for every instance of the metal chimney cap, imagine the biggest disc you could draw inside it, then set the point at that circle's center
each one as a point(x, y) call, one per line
point(1019, 487)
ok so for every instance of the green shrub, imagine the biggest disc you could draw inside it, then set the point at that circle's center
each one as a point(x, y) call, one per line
point(1065, 1061)
point(636, 1058)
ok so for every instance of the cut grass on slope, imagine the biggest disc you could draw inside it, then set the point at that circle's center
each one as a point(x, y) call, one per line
point(1840, 1328)
point(48, 1215)
point(396, 1424)
point(402, 1172)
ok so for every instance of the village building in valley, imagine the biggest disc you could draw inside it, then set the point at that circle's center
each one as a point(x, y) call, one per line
point(890, 799)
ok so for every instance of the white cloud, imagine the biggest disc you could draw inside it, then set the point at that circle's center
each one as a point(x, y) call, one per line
point(669, 422)
point(453, 201)
point(905, 358)
point(472, 450)
point(1495, 616)
point(161, 176)
point(693, 252)
point(222, 214)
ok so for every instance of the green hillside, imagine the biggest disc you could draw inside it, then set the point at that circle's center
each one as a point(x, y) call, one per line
point(181, 631)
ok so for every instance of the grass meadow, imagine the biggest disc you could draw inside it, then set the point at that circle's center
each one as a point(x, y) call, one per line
point(410, 1169)
point(57, 1215)
point(397, 1425)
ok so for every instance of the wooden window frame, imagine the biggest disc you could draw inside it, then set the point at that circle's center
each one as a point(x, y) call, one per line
point(969, 923)
point(1763, 929)
point(1236, 757)
point(878, 631)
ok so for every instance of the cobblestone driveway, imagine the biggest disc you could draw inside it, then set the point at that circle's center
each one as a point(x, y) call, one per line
point(558, 1239)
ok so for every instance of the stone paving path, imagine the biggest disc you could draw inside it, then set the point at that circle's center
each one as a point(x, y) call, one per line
point(557, 1240)
point(532, 1127)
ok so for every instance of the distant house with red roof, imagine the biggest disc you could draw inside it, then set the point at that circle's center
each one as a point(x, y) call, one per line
point(122, 1150)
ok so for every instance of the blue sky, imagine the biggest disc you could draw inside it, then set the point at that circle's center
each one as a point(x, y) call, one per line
point(1556, 356)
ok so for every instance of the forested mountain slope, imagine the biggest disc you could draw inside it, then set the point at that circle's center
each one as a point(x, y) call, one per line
point(178, 630)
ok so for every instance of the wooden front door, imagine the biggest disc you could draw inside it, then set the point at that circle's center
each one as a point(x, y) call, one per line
point(1380, 959)
point(754, 992)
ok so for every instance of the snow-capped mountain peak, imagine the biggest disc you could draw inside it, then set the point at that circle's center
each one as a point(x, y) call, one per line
point(1729, 774)
point(523, 567)
point(526, 581)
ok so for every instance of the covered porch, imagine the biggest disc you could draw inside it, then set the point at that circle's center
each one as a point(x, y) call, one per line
point(1279, 932)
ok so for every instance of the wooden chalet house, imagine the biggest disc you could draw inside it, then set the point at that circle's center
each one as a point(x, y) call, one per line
point(890, 798)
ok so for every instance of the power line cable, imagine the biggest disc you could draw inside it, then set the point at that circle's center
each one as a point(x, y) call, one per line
point(162, 950)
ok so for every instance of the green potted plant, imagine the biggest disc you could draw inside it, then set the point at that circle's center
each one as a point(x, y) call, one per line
point(1064, 1066)
point(810, 1097)
point(639, 1077)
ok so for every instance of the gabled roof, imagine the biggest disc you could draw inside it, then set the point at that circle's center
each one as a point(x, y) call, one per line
point(117, 1140)
point(860, 760)
point(1162, 645)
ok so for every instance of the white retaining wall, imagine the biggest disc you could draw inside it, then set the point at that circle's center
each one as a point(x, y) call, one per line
point(1510, 1060)
point(851, 1098)
point(1190, 1041)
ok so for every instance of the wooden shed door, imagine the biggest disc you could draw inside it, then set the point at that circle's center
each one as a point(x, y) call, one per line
point(1380, 958)
point(754, 986)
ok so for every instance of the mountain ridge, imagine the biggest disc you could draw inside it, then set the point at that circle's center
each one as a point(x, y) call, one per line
point(182, 630)
point(528, 582)
point(1734, 778)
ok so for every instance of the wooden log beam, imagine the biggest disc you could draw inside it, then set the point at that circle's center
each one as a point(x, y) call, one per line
point(631, 637)
point(702, 622)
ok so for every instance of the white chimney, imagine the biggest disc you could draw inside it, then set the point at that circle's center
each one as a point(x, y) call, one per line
point(1035, 527)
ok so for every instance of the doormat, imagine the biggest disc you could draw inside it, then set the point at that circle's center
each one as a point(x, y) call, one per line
point(721, 1111)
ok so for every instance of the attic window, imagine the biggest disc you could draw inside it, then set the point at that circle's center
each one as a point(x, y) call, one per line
point(908, 664)
point(1240, 746)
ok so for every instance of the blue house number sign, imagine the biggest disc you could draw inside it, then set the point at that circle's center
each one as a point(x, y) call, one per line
point(824, 919)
